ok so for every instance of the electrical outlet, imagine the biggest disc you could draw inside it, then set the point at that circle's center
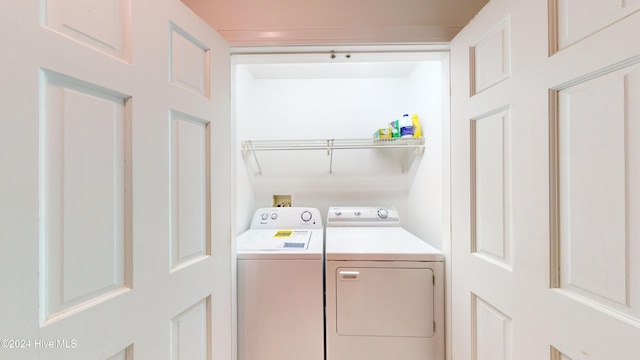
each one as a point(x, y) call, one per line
point(281, 200)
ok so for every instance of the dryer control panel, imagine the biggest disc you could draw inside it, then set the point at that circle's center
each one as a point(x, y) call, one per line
point(362, 216)
point(286, 218)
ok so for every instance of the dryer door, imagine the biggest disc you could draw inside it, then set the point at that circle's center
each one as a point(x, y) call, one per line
point(384, 302)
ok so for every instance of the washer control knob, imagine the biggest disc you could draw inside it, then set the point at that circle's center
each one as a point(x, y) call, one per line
point(264, 216)
point(306, 216)
point(357, 213)
point(338, 213)
point(383, 213)
point(274, 216)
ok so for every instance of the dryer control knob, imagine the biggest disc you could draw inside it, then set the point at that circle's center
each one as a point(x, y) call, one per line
point(357, 213)
point(338, 213)
point(264, 216)
point(306, 216)
point(274, 216)
point(383, 213)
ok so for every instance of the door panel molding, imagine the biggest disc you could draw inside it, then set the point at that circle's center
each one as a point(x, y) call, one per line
point(103, 25)
point(491, 187)
point(85, 198)
point(591, 257)
point(491, 58)
point(572, 21)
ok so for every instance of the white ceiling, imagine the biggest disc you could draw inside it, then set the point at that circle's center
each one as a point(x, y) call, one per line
point(302, 22)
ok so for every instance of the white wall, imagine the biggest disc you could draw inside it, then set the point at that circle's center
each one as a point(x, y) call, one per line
point(327, 108)
point(245, 197)
point(424, 217)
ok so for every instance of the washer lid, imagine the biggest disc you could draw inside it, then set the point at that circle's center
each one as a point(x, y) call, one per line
point(377, 243)
point(280, 243)
point(276, 240)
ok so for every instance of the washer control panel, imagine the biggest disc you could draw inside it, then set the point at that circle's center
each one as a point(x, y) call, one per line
point(286, 217)
point(362, 216)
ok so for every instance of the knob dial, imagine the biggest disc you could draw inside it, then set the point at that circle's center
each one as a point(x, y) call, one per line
point(274, 216)
point(357, 213)
point(338, 213)
point(383, 213)
point(306, 216)
point(264, 216)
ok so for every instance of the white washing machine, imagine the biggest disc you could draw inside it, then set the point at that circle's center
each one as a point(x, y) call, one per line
point(384, 288)
point(280, 286)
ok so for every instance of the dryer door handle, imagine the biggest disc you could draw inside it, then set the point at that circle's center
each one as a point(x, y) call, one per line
point(349, 275)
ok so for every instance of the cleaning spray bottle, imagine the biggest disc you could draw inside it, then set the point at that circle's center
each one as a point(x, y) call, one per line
point(417, 131)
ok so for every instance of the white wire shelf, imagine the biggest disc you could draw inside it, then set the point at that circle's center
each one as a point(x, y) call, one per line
point(250, 147)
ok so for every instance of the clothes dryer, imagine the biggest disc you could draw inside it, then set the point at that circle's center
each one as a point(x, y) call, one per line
point(384, 288)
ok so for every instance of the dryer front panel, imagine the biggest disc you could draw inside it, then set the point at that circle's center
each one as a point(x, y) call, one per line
point(395, 302)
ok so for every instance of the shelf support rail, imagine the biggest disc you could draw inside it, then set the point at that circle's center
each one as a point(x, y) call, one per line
point(251, 151)
point(330, 154)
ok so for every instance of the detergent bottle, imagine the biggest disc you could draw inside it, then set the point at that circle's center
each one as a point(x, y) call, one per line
point(406, 128)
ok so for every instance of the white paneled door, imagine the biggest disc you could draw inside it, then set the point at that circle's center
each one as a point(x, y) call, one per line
point(545, 160)
point(115, 188)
